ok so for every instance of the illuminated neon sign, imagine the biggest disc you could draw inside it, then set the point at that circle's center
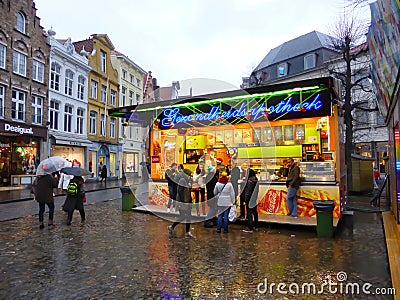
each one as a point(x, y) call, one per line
point(276, 110)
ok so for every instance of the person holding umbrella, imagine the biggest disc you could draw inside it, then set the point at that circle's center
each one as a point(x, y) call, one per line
point(44, 196)
point(75, 199)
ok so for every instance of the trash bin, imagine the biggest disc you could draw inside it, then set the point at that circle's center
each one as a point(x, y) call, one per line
point(324, 217)
point(128, 197)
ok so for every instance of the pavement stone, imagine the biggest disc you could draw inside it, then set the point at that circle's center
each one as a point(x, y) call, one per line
point(129, 255)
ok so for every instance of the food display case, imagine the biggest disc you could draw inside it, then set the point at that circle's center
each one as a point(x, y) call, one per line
point(318, 171)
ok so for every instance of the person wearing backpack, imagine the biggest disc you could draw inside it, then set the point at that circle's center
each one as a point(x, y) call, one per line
point(75, 198)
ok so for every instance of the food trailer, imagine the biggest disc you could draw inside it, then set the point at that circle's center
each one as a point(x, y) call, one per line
point(256, 128)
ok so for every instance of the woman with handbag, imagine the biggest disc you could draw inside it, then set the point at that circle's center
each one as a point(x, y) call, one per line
point(225, 199)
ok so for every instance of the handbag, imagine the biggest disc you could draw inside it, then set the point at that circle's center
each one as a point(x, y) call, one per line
point(232, 213)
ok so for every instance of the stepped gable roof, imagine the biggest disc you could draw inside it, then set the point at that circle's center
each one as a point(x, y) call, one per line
point(303, 44)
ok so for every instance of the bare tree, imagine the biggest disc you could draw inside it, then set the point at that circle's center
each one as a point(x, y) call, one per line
point(352, 69)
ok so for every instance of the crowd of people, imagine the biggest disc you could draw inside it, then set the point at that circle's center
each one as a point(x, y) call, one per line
point(219, 190)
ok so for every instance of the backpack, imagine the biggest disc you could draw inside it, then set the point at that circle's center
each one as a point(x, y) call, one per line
point(72, 189)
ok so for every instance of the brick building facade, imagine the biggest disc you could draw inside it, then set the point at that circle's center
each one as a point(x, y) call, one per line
point(24, 59)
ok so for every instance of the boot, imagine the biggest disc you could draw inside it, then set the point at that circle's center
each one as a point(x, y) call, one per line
point(51, 223)
point(41, 225)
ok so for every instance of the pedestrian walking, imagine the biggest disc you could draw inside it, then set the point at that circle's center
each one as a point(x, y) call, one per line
point(225, 199)
point(184, 203)
point(211, 181)
point(172, 185)
point(44, 196)
point(75, 198)
point(251, 191)
point(292, 183)
point(103, 174)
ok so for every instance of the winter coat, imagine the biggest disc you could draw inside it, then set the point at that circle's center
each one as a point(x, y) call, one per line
point(227, 194)
point(184, 195)
point(211, 181)
point(251, 191)
point(76, 201)
point(44, 188)
point(64, 180)
point(293, 178)
point(103, 173)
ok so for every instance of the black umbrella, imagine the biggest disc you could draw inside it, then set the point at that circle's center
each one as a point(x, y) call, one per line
point(75, 171)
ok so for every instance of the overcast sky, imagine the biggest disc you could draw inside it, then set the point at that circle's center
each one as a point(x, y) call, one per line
point(180, 40)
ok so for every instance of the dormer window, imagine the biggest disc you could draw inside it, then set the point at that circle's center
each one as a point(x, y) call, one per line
point(310, 61)
point(282, 69)
point(20, 22)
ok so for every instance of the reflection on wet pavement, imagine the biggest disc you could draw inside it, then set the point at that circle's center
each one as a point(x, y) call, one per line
point(128, 255)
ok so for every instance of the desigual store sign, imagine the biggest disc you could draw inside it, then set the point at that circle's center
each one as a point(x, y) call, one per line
point(13, 128)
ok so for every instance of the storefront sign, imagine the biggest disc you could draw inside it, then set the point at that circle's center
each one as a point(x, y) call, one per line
point(155, 159)
point(249, 110)
point(18, 129)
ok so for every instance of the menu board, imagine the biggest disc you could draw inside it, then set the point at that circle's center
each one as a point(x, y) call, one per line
point(211, 138)
point(268, 136)
point(278, 133)
point(288, 133)
point(248, 135)
point(219, 136)
point(238, 136)
point(228, 137)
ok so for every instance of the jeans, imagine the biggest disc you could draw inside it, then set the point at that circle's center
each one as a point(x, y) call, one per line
point(42, 208)
point(172, 196)
point(223, 213)
point(291, 201)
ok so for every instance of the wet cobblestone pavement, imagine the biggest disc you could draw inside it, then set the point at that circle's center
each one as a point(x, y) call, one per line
point(128, 255)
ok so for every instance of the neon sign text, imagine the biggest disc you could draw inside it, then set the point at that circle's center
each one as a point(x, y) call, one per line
point(173, 116)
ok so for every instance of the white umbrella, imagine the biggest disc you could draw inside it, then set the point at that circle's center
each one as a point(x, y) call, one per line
point(51, 165)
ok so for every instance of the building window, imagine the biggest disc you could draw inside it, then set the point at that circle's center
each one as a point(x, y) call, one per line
point(123, 96)
point(18, 105)
point(123, 74)
point(282, 70)
point(68, 118)
point(37, 110)
point(138, 82)
point(81, 87)
point(93, 89)
point(19, 63)
point(103, 125)
point(80, 117)
point(3, 49)
point(55, 76)
point(69, 81)
point(103, 93)
point(130, 98)
point(54, 111)
point(38, 71)
point(310, 61)
point(131, 78)
point(2, 92)
point(103, 61)
point(113, 97)
point(21, 22)
point(137, 99)
point(112, 127)
point(93, 120)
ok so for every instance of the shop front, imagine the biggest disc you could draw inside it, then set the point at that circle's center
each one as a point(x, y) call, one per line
point(258, 129)
point(73, 149)
point(20, 152)
point(102, 154)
